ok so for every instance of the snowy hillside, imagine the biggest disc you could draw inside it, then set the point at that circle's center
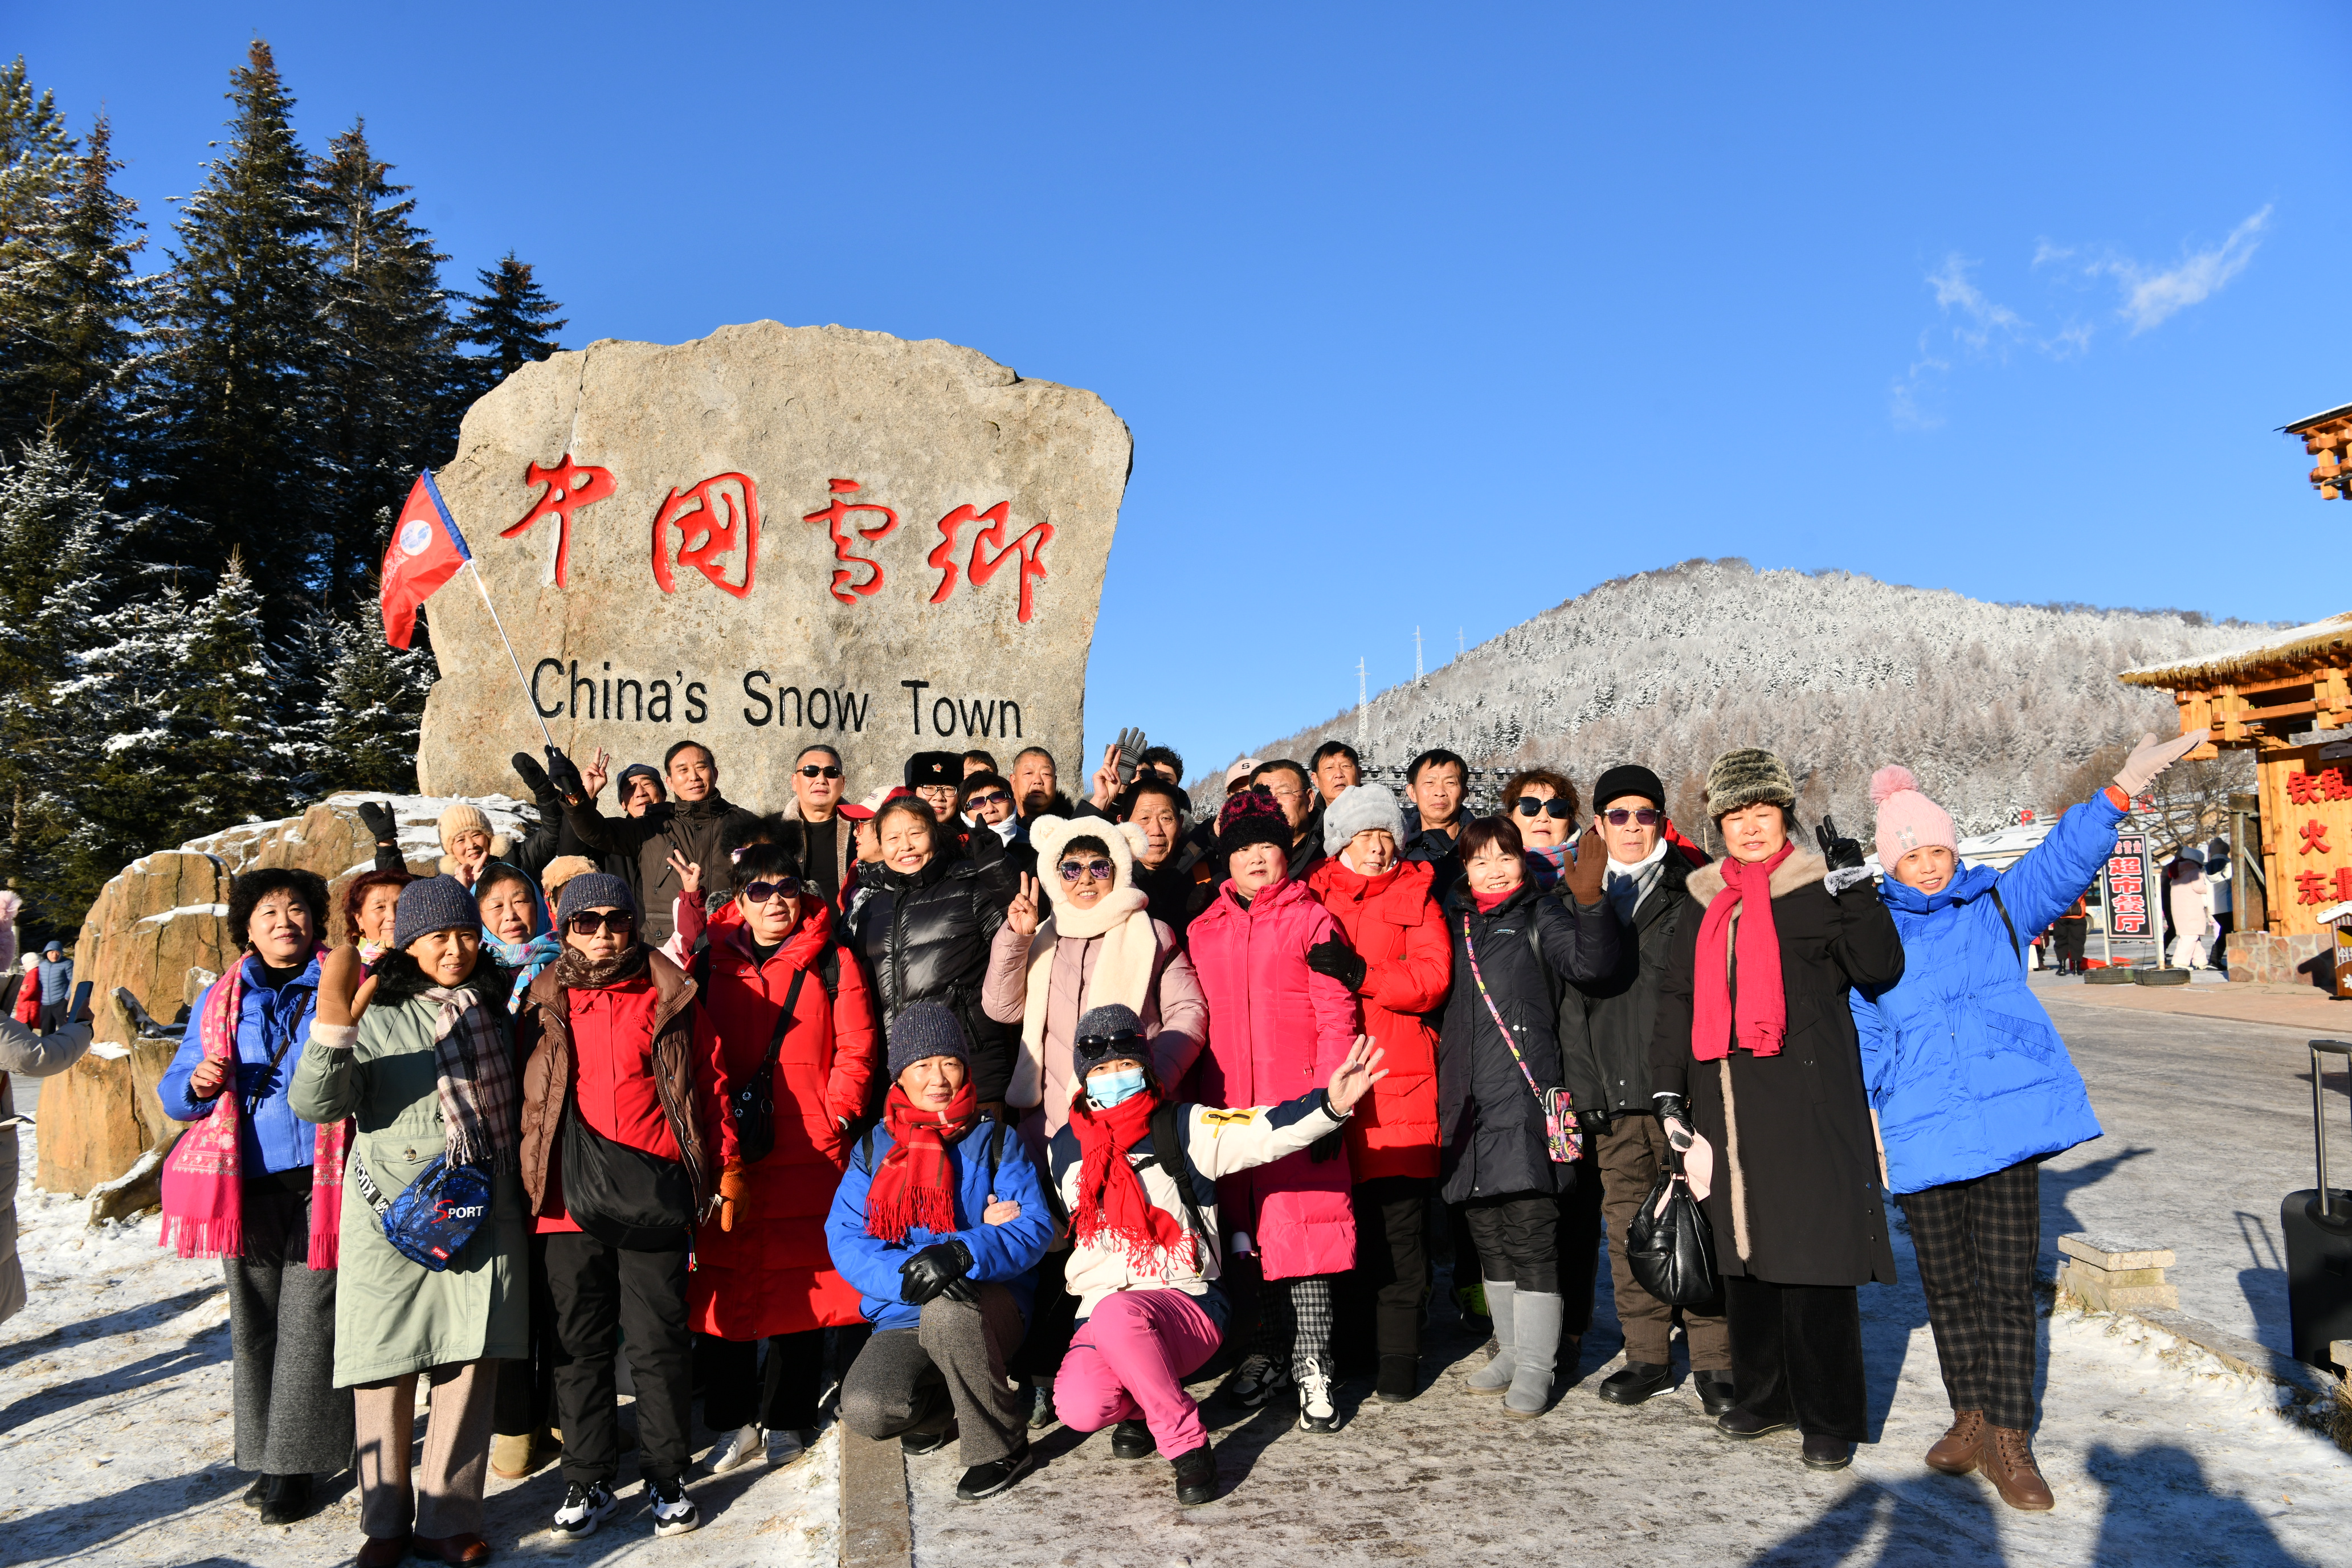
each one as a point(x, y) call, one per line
point(1993, 706)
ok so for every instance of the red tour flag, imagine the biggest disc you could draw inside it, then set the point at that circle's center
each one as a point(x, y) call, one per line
point(425, 552)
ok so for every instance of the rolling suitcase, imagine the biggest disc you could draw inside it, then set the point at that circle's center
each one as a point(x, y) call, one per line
point(2317, 1224)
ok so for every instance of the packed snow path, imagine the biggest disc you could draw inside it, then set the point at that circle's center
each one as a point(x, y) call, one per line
point(115, 1429)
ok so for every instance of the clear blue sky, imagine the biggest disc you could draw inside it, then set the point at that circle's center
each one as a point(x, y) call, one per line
point(1437, 315)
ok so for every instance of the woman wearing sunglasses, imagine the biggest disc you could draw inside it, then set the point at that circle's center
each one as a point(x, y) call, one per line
point(1542, 804)
point(762, 1270)
point(622, 1142)
point(1097, 944)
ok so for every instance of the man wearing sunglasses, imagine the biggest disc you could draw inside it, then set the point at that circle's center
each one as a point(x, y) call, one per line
point(987, 802)
point(1604, 1046)
point(815, 832)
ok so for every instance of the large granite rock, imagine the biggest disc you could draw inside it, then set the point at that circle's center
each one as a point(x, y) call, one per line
point(160, 929)
point(773, 536)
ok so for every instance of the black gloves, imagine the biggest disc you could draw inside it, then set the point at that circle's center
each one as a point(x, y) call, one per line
point(377, 816)
point(533, 776)
point(1328, 1147)
point(1593, 1121)
point(565, 777)
point(1843, 854)
point(1334, 957)
point(937, 1270)
point(1671, 1108)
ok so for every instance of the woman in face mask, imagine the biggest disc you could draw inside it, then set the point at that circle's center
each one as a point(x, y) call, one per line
point(1279, 1025)
point(1099, 943)
point(1138, 1173)
point(1398, 962)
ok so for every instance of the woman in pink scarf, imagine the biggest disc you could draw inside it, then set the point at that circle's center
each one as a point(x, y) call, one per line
point(1758, 1072)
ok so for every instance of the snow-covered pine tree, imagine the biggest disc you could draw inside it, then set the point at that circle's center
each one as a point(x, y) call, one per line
point(512, 320)
point(236, 453)
point(389, 399)
point(236, 753)
point(36, 150)
point(67, 307)
point(357, 727)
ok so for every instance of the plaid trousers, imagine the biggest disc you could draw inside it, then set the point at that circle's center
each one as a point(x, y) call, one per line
point(1977, 1242)
point(1295, 1323)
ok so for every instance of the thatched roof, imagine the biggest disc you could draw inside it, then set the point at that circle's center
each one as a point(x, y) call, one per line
point(2328, 639)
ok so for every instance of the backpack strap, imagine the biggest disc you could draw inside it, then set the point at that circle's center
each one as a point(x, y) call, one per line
point(2014, 951)
point(1169, 1153)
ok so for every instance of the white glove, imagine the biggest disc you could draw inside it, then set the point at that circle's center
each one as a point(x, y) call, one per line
point(2148, 759)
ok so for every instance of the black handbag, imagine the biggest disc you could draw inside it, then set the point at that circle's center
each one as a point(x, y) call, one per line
point(624, 1197)
point(753, 1106)
point(1669, 1245)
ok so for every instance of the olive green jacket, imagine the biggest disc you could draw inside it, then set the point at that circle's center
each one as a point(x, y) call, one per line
point(393, 1317)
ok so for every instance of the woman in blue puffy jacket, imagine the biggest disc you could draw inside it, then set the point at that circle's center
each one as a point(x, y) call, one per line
point(1972, 1088)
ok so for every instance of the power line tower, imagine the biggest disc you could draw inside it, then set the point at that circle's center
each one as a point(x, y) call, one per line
point(1416, 656)
point(1363, 729)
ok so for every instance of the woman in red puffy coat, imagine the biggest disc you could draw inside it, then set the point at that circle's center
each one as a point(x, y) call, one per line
point(1277, 1029)
point(762, 1268)
point(1399, 962)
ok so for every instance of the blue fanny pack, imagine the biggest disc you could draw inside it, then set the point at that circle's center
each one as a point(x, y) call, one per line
point(436, 1214)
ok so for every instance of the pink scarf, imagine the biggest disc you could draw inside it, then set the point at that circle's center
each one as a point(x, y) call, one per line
point(1759, 1018)
point(204, 1198)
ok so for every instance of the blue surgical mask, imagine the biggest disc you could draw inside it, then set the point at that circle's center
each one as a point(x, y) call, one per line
point(1109, 1089)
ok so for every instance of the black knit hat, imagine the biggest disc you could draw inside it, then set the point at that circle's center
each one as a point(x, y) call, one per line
point(431, 904)
point(1628, 778)
point(1251, 815)
point(1109, 1032)
point(923, 1030)
point(925, 769)
point(594, 890)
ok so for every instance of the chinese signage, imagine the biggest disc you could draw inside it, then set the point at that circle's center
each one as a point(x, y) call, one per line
point(771, 538)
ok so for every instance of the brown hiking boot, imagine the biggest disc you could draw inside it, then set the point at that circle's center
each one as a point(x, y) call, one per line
point(2009, 1465)
point(1955, 1452)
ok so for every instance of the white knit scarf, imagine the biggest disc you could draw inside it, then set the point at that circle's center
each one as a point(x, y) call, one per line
point(1120, 917)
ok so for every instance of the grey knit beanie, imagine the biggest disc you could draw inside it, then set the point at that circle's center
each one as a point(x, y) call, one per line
point(926, 1029)
point(431, 904)
point(1109, 1032)
point(1359, 809)
point(1749, 776)
point(594, 890)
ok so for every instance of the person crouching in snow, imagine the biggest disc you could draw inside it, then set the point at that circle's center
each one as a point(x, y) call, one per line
point(1138, 1173)
point(942, 1232)
point(1972, 1088)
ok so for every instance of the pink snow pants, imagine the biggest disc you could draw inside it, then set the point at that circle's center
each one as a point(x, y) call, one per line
point(1130, 1359)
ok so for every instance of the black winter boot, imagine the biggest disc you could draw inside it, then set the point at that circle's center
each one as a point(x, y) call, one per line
point(1635, 1382)
point(1196, 1477)
point(288, 1500)
point(1399, 1380)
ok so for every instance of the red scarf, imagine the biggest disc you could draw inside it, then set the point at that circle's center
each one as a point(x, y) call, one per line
point(1112, 1205)
point(1760, 1017)
point(203, 1193)
point(914, 1186)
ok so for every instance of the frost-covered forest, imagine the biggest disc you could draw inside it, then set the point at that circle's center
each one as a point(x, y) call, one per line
point(1995, 707)
point(201, 451)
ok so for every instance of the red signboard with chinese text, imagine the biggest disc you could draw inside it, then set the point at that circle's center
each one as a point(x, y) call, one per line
point(2129, 887)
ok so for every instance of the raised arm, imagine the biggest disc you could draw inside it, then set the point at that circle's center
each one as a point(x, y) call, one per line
point(2052, 875)
point(1223, 1141)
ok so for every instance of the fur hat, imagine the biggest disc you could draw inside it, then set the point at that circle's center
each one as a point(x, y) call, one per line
point(433, 903)
point(927, 768)
point(1122, 841)
point(1251, 816)
point(1628, 778)
point(1360, 808)
point(561, 869)
point(594, 890)
point(463, 817)
point(1907, 820)
point(1109, 1032)
point(923, 1030)
point(1749, 776)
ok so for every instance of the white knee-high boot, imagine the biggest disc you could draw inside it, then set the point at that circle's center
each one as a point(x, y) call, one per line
point(1538, 1322)
point(1495, 1376)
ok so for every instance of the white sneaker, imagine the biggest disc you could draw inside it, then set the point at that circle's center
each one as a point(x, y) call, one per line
point(585, 1506)
point(1315, 1410)
point(784, 1447)
point(734, 1450)
point(674, 1511)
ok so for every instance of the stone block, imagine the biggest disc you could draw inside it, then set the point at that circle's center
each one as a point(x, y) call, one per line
point(2111, 1275)
point(768, 538)
point(2107, 1253)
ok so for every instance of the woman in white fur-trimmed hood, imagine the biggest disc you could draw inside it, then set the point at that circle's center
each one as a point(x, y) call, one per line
point(1097, 944)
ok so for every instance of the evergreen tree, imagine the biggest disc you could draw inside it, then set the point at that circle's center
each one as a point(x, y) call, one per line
point(237, 452)
point(388, 402)
point(513, 320)
point(357, 730)
point(35, 150)
point(68, 300)
point(234, 754)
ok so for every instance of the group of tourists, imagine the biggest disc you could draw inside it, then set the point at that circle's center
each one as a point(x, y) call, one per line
point(1026, 1111)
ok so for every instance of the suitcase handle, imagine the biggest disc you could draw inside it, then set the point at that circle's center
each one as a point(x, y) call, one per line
point(2319, 1116)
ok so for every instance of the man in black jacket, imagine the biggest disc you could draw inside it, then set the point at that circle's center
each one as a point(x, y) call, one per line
point(688, 826)
point(1605, 1027)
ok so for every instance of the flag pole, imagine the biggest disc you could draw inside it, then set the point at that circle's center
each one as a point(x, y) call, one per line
point(475, 573)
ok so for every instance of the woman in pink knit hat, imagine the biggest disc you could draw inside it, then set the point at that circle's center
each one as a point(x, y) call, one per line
point(1972, 1090)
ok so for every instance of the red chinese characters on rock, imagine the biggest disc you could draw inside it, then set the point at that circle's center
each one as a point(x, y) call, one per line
point(715, 519)
point(848, 587)
point(570, 487)
point(989, 550)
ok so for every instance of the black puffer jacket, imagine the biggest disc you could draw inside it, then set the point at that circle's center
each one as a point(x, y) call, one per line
point(925, 937)
point(692, 828)
point(1491, 1122)
point(1606, 1025)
